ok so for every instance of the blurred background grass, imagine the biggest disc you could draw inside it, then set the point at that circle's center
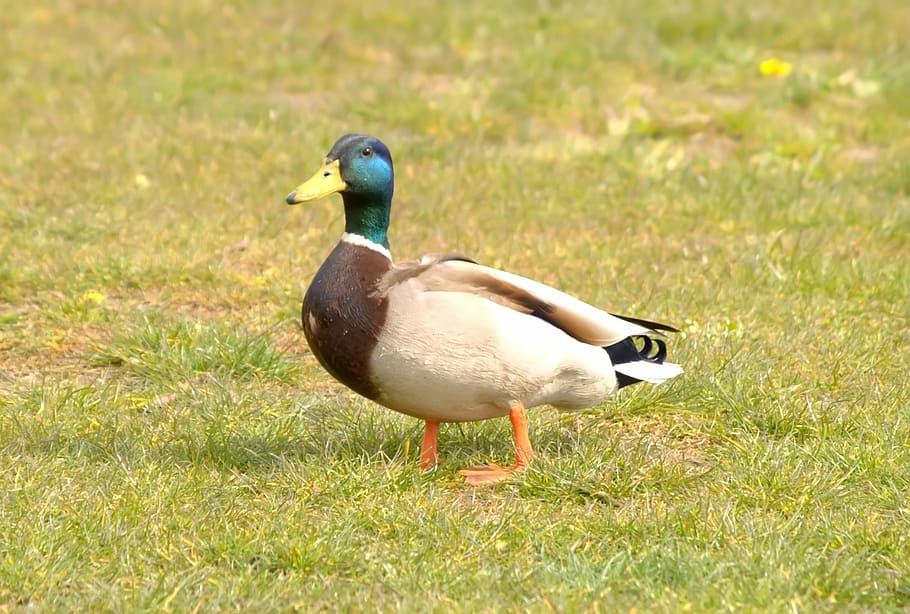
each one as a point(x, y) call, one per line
point(737, 169)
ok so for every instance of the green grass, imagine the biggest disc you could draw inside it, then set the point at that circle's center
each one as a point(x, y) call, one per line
point(168, 443)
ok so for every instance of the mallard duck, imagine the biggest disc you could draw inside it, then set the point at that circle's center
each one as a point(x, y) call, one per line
point(445, 339)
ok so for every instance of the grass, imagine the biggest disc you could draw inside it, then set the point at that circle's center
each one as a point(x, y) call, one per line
point(167, 442)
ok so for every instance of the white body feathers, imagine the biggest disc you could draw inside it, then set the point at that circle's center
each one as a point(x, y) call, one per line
point(461, 342)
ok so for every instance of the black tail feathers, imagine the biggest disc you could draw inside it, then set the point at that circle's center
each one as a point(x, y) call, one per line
point(628, 350)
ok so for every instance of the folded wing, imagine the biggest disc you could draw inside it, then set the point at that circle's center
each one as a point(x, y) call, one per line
point(455, 273)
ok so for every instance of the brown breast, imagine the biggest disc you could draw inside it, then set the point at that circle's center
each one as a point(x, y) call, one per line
point(341, 317)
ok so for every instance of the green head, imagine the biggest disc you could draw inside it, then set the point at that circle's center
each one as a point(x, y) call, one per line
point(360, 168)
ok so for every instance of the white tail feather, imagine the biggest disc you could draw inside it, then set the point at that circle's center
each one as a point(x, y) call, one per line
point(651, 372)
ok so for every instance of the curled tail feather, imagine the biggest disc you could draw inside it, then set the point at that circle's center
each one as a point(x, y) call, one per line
point(641, 359)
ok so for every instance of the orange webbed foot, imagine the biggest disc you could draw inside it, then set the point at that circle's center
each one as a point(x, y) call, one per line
point(487, 475)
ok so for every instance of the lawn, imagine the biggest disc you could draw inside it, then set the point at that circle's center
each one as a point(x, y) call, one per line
point(738, 169)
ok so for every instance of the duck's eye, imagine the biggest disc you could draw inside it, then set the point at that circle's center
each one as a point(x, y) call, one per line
point(366, 152)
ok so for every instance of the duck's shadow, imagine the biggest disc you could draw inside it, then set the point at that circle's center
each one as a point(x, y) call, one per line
point(361, 434)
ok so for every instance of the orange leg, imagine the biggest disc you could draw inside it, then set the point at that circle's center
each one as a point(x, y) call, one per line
point(524, 454)
point(429, 449)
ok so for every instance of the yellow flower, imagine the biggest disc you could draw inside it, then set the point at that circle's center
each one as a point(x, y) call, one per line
point(93, 297)
point(775, 67)
point(142, 181)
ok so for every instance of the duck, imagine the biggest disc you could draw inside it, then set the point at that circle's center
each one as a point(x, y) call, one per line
point(445, 339)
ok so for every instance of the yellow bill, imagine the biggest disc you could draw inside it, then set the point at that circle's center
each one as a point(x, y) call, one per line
point(327, 180)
